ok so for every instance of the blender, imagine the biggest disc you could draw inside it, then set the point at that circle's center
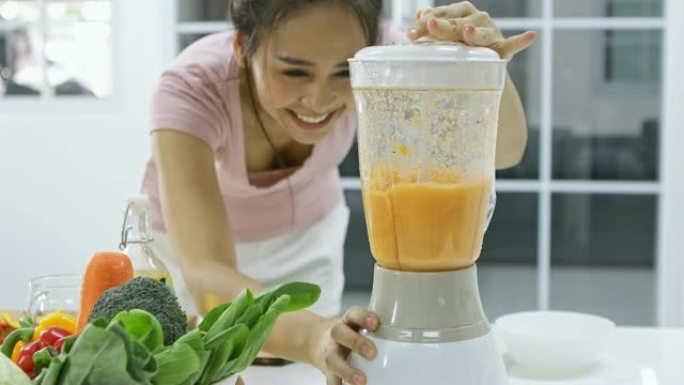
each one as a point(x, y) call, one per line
point(428, 116)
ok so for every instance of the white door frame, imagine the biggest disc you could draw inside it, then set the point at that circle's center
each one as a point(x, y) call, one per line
point(670, 268)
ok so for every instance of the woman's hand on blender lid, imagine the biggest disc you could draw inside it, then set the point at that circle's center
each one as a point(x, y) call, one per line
point(463, 22)
point(339, 338)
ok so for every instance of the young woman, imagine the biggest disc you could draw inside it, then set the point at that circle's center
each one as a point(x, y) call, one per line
point(248, 128)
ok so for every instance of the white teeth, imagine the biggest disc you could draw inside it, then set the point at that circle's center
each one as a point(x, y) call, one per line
point(312, 120)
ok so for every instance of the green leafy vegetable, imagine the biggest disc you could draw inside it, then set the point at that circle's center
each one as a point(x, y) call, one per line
point(212, 316)
point(10, 374)
point(302, 295)
point(142, 326)
point(129, 350)
point(176, 365)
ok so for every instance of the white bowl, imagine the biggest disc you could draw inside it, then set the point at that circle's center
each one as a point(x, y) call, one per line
point(552, 340)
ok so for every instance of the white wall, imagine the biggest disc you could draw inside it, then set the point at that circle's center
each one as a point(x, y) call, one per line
point(66, 167)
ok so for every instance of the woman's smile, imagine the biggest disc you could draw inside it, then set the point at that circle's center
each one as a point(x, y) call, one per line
point(311, 122)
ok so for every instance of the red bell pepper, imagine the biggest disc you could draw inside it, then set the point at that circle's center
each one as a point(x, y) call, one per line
point(53, 334)
point(25, 360)
point(60, 343)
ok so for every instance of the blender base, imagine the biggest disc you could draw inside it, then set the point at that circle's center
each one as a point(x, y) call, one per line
point(432, 330)
point(470, 362)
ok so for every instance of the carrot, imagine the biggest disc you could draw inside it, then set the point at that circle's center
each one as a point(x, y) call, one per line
point(104, 271)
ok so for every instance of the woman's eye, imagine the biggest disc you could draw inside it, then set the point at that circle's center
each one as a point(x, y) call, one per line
point(343, 74)
point(295, 73)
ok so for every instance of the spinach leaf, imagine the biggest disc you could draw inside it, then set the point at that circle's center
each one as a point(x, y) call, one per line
point(176, 365)
point(258, 335)
point(302, 295)
point(221, 349)
point(142, 326)
point(212, 316)
point(232, 312)
point(10, 374)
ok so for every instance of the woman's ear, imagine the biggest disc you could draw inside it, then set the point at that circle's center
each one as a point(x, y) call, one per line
point(239, 48)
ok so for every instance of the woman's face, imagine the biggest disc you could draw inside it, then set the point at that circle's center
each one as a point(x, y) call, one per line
point(301, 73)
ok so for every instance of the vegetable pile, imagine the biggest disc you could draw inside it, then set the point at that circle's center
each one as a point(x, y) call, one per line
point(131, 346)
point(46, 337)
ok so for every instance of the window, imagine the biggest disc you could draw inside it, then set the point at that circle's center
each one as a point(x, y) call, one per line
point(632, 57)
point(55, 48)
point(196, 19)
point(576, 219)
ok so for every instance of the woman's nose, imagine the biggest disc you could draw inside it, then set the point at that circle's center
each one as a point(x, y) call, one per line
point(319, 97)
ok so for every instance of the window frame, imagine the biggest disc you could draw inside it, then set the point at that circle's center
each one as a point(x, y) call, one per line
point(48, 102)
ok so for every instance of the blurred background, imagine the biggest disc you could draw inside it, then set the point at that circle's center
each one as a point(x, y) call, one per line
point(588, 221)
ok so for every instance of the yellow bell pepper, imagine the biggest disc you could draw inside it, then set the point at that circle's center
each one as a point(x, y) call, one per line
point(17, 348)
point(11, 322)
point(59, 319)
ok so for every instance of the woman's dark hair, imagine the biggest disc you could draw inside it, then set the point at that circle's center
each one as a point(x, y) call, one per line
point(253, 18)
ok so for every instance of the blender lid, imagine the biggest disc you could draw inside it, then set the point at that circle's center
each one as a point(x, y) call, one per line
point(428, 65)
point(427, 52)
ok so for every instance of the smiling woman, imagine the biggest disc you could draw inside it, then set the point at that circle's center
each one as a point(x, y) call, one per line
point(248, 128)
point(300, 75)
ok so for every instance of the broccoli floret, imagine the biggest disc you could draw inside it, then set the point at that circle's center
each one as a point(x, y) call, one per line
point(147, 294)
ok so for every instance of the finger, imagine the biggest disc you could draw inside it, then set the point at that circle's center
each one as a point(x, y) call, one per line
point(514, 44)
point(333, 380)
point(347, 337)
point(447, 29)
point(240, 381)
point(480, 36)
point(338, 365)
point(418, 27)
point(358, 317)
point(456, 10)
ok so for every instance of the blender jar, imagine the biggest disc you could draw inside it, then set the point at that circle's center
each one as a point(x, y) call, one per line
point(428, 116)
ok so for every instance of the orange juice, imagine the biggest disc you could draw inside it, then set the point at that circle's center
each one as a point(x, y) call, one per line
point(432, 226)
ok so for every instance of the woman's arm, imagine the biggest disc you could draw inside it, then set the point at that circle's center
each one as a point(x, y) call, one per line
point(200, 234)
point(511, 138)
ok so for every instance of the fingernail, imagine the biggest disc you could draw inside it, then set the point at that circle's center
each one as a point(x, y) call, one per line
point(367, 352)
point(358, 379)
point(469, 28)
point(370, 322)
point(413, 31)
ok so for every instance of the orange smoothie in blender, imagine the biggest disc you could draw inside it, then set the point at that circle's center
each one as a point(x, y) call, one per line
point(432, 225)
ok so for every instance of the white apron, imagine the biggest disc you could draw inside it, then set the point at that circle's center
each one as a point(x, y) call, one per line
point(312, 254)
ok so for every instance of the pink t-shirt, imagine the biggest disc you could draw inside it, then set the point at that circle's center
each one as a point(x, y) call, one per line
point(199, 95)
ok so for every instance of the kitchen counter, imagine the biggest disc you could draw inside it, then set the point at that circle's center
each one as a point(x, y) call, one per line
point(633, 356)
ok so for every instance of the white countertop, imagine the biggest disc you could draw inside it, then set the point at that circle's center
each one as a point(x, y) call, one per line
point(633, 356)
